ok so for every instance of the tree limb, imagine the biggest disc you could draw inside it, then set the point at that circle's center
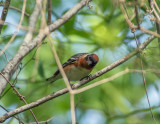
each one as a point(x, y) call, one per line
point(4, 13)
point(75, 86)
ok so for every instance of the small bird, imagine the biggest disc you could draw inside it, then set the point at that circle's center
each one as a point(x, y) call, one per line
point(77, 67)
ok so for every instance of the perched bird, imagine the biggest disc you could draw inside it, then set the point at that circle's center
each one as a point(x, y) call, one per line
point(77, 67)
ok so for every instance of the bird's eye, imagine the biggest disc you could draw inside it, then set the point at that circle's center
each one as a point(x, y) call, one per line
point(90, 58)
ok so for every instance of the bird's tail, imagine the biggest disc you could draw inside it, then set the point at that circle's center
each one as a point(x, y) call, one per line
point(51, 79)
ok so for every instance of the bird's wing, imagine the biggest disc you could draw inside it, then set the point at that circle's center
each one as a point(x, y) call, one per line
point(71, 61)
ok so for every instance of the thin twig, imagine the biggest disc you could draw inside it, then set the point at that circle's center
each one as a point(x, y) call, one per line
point(43, 24)
point(13, 116)
point(49, 11)
point(19, 25)
point(5, 56)
point(4, 13)
point(16, 9)
point(20, 96)
point(132, 26)
point(66, 82)
point(43, 122)
point(25, 28)
point(157, 21)
point(32, 58)
point(133, 30)
point(72, 108)
point(154, 11)
point(143, 75)
point(131, 113)
point(12, 83)
point(156, 6)
point(137, 15)
point(60, 65)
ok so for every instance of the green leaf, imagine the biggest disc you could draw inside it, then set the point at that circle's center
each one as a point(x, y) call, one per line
point(41, 69)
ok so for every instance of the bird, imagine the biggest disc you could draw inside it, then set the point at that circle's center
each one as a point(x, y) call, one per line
point(76, 67)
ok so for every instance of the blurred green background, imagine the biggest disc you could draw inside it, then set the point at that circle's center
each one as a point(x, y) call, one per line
point(101, 30)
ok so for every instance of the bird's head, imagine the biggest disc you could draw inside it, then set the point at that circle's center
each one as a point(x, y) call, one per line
point(92, 59)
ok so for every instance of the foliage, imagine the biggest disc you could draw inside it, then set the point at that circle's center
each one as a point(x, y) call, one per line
point(101, 30)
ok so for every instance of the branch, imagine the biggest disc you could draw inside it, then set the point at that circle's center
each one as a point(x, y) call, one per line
point(118, 62)
point(49, 11)
point(75, 86)
point(13, 116)
point(157, 21)
point(16, 9)
point(131, 113)
point(143, 76)
point(21, 98)
point(134, 27)
point(29, 45)
point(43, 122)
point(12, 65)
point(4, 13)
point(17, 30)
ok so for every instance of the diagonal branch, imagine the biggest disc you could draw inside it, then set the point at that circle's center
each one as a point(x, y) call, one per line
point(49, 12)
point(4, 13)
point(157, 21)
point(115, 117)
point(12, 65)
point(29, 45)
point(143, 76)
point(13, 116)
point(16, 9)
point(75, 86)
point(21, 98)
point(134, 27)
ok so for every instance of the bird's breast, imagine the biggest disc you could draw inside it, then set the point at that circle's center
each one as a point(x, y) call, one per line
point(75, 73)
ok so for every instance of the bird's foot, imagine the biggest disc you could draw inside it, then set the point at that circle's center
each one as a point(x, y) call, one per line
point(87, 77)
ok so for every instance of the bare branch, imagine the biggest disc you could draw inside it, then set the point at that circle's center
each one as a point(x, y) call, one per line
point(84, 81)
point(143, 76)
point(16, 9)
point(72, 107)
point(13, 116)
point(17, 30)
point(131, 113)
point(157, 21)
point(42, 122)
point(156, 6)
point(49, 11)
point(137, 15)
point(21, 97)
point(4, 13)
point(134, 27)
